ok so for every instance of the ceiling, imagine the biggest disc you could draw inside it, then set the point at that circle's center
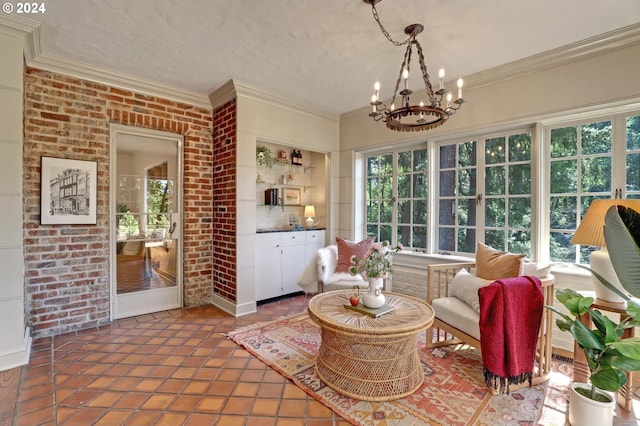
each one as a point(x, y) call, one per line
point(322, 53)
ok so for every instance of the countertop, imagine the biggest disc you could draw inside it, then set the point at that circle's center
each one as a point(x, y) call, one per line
point(288, 229)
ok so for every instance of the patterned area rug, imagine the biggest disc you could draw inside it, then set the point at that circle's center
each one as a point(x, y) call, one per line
point(453, 392)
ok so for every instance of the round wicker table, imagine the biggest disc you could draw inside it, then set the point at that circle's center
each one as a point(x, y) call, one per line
point(367, 358)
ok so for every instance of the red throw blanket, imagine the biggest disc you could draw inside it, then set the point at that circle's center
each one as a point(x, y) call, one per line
point(510, 316)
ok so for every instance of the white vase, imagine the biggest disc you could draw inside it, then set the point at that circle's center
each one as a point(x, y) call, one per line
point(586, 412)
point(374, 297)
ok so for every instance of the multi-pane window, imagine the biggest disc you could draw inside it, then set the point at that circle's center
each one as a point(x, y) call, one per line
point(457, 203)
point(396, 197)
point(633, 157)
point(579, 172)
point(507, 223)
point(582, 158)
point(485, 194)
point(484, 188)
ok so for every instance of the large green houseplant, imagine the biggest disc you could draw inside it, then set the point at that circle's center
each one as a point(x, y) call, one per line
point(608, 355)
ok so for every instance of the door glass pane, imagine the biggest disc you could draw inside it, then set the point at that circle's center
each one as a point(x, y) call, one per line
point(146, 219)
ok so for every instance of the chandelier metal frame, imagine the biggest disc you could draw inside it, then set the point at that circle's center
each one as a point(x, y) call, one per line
point(421, 116)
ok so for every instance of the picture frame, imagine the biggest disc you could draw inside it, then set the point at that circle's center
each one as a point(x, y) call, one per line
point(291, 197)
point(68, 191)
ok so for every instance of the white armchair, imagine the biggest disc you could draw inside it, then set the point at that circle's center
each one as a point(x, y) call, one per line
point(320, 273)
point(456, 321)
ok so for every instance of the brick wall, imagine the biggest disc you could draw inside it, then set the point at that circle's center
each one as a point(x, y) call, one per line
point(67, 266)
point(224, 202)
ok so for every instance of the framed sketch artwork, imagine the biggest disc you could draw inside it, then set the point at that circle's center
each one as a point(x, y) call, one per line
point(67, 191)
point(291, 196)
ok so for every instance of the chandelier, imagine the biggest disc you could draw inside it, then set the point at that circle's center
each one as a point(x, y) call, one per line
point(423, 115)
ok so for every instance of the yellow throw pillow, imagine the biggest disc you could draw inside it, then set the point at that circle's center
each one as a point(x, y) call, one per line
point(347, 248)
point(492, 264)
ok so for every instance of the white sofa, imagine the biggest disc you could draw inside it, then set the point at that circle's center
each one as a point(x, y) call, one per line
point(320, 273)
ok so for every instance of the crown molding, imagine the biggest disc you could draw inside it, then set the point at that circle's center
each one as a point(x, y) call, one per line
point(597, 45)
point(234, 88)
point(113, 78)
point(34, 57)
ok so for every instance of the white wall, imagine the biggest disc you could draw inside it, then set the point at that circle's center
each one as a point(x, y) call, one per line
point(15, 341)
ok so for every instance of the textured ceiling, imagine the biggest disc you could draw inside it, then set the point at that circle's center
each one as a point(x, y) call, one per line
point(323, 53)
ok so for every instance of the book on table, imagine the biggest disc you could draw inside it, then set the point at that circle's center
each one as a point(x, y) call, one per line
point(372, 312)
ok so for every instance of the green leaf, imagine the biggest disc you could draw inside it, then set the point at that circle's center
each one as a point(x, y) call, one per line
point(630, 347)
point(633, 309)
point(605, 326)
point(576, 303)
point(623, 250)
point(623, 363)
point(608, 379)
point(586, 337)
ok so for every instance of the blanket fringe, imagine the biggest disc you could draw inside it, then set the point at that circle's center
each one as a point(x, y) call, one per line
point(502, 384)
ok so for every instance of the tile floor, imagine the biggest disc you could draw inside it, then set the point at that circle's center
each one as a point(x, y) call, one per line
point(170, 368)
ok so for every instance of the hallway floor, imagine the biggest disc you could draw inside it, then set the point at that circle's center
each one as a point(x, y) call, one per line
point(169, 368)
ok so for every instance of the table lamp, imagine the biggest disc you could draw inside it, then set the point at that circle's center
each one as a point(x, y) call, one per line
point(310, 213)
point(591, 233)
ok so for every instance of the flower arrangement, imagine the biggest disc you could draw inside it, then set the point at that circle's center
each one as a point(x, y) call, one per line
point(376, 263)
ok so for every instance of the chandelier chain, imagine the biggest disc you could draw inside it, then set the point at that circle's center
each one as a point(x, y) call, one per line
point(384, 31)
point(425, 74)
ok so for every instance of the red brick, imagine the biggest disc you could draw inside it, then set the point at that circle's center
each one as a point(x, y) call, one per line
point(81, 132)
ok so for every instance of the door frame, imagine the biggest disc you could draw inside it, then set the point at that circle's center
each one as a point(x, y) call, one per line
point(116, 130)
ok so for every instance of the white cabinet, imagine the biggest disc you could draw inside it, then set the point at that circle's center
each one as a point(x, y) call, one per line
point(268, 265)
point(281, 258)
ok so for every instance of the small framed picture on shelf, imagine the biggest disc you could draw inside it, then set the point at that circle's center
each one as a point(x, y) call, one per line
point(291, 196)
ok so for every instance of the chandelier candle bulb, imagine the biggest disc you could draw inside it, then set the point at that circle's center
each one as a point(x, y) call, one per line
point(441, 77)
point(449, 97)
point(460, 83)
point(376, 87)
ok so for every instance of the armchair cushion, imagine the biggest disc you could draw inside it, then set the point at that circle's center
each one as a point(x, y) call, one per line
point(465, 287)
point(347, 249)
point(535, 269)
point(492, 264)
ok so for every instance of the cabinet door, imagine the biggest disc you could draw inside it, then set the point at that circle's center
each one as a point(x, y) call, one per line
point(313, 242)
point(292, 260)
point(268, 266)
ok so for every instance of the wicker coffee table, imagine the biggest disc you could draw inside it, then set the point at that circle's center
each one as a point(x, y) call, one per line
point(366, 358)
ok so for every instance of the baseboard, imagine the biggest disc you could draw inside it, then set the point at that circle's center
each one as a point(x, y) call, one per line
point(20, 357)
point(232, 308)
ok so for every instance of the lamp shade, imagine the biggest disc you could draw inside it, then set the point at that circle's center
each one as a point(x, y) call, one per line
point(591, 229)
point(309, 211)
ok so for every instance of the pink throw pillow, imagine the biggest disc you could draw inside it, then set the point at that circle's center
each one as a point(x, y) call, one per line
point(347, 248)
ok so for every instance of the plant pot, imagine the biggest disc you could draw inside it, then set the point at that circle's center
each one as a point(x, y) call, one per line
point(584, 411)
point(374, 297)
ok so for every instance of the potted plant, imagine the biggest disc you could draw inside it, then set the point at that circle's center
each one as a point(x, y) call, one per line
point(374, 267)
point(608, 355)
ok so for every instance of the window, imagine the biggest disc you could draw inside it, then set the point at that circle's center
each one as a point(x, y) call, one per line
point(586, 163)
point(484, 186)
point(633, 157)
point(485, 194)
point(396, 197)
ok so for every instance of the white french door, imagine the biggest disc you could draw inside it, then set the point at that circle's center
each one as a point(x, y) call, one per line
point(146, 221)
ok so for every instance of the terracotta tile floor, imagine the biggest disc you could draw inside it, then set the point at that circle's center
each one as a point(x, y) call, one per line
point(169, 368)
